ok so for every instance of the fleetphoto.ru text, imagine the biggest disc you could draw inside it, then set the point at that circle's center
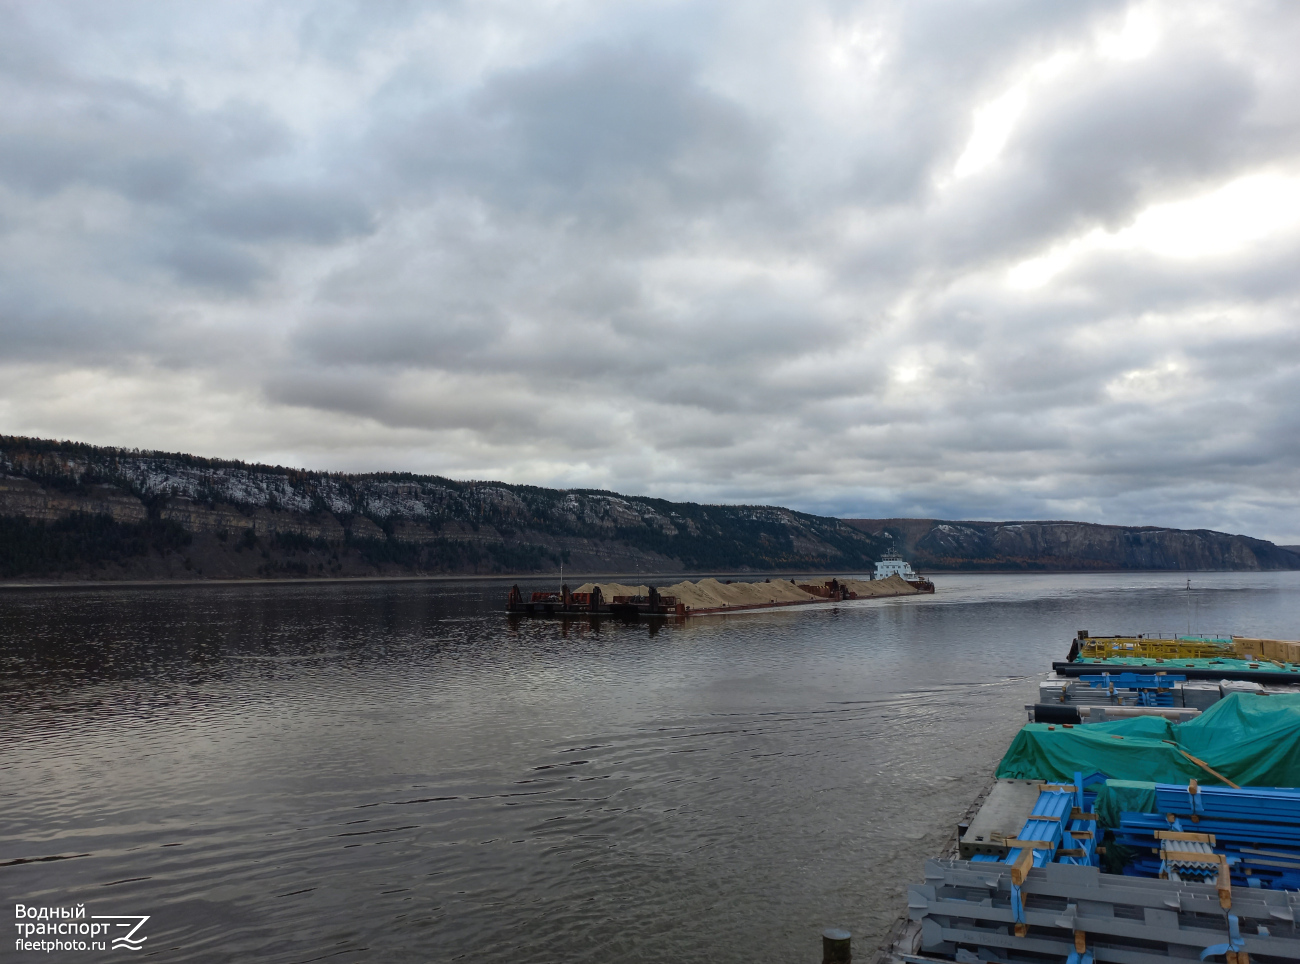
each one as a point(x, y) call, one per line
point(45, 929)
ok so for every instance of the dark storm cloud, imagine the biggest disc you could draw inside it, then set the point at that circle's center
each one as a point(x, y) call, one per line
point(870, 258)
point(603, 135)
point(207, 263)
point(310, 214)
point(149, 146)
point(32, 324)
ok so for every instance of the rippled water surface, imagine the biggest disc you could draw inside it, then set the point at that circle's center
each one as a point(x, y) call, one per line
point(392, 771)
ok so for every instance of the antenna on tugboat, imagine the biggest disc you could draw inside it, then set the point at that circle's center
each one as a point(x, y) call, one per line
point(1189, 607)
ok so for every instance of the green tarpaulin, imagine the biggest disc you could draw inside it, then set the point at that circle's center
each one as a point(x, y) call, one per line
point(1226, 664)
point(1252, 740)
point(1117, 796)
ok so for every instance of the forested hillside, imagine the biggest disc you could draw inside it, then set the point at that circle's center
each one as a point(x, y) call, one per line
point(82, 510)
point(75, 511)
point(1002, 546)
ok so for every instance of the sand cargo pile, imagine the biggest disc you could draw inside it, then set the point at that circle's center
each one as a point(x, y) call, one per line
point(705, 596)
point(1161, 822)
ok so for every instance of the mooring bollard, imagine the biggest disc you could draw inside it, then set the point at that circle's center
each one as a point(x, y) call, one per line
point(835, 946)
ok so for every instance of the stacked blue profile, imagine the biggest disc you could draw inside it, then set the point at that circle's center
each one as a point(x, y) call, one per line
point(1256, 828)
point(1146, 689)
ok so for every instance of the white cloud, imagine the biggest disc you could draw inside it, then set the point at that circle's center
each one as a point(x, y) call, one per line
point(1244, 212)
point(1134, 37)
point(993, 124)
point(1257, 209)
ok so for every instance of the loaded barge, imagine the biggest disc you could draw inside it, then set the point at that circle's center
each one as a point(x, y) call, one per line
point(1148, 811)
point(893, 577)
point(698, 598)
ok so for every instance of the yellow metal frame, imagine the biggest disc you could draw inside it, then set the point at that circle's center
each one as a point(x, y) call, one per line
point(1148, 648)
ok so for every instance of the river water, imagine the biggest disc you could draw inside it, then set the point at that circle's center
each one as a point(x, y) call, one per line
point(392, 771)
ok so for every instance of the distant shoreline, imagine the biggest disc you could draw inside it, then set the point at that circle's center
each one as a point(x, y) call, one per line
point(576, 577)
point(75, 515)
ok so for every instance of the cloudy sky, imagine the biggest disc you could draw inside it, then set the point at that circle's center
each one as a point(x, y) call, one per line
point(985, 259)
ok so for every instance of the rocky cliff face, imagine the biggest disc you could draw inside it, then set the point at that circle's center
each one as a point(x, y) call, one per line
point(936, 544)
point(352, 524)
point(85, 511)
point(23, 497)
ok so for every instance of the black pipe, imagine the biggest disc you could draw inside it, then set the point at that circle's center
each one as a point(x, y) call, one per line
point(1282, 677)
point(1056, 713)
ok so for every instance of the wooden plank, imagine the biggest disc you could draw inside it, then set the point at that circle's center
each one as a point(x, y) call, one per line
point(1205, 838)
point(1020, 869)
point(1012, 843)
point(1224, 886)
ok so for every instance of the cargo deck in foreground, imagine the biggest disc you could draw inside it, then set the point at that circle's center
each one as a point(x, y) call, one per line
point(1148, 812)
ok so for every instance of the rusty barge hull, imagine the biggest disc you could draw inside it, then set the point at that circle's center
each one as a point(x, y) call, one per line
point(769, 605)
point(566, 603)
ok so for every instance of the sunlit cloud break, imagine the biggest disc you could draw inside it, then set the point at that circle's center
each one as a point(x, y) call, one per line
point(998, 260)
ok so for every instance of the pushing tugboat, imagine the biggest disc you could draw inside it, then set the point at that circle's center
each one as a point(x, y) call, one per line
point(892, 563)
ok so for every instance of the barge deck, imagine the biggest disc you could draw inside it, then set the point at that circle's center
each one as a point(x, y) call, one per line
point(707, 596)
point(1135, 840)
